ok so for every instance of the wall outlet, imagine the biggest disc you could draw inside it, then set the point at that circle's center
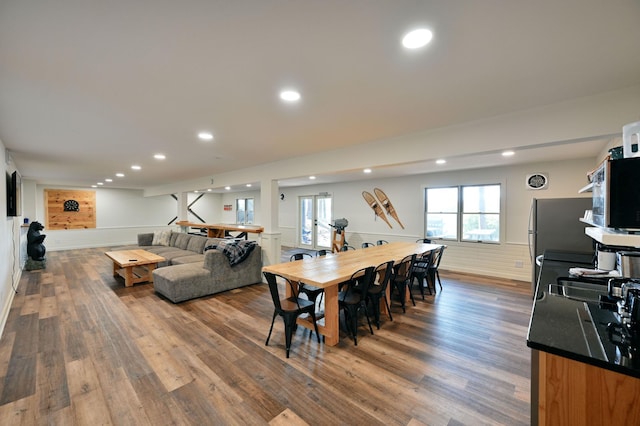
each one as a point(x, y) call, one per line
point(518, 264)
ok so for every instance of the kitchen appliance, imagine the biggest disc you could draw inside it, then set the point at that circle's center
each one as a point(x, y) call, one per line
point(629, 264)
point(616, 194)
point(606, 260)
point(554, 227)
point(631, 139)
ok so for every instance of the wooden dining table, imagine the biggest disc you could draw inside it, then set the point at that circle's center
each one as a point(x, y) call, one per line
point(327, 272)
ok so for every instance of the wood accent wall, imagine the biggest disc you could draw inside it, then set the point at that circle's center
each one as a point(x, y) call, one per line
point(57, 218)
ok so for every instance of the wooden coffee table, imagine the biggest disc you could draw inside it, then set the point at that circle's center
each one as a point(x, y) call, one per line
point(135, 266)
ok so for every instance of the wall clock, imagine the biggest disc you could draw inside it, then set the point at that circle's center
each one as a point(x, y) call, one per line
point(71, 206)
point(537, 181)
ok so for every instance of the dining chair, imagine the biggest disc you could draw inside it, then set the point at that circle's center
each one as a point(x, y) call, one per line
point(381, 242)
point(424, 240)
point(420, 272)
point(311, 291)
point(378, 290)
point(352, 298)
point(289, 308)
point(365, 245)
point(401, 277)
point(347, 248)
point(435, 264)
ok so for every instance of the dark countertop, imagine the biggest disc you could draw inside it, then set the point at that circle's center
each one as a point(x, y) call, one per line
point(578, 329)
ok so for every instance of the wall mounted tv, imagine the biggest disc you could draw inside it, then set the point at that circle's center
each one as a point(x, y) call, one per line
point(14, 188)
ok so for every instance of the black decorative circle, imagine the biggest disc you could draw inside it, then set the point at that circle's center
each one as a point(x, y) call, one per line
point(537, 181)
point(71, 206)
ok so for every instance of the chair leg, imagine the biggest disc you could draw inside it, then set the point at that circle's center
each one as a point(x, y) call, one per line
point(275, 314)
point(439, 282)
point(386, 302)
point(289, 322)
point(315, 325)
point(367, 316)
point(375, 305)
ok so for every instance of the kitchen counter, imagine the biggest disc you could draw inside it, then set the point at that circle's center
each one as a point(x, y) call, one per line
point(577, 328)
point(578, 374)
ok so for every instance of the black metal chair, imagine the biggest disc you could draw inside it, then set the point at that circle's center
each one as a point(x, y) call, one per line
point(420, 272)
point(423, 240)
point(435, 264)
point(378, 290)
point(381, 242)
point(352, 298)
point(401, 278)
point(311, 291)
point(289, 308)
point(365, 245)
point(347, 248)
point(321, 252)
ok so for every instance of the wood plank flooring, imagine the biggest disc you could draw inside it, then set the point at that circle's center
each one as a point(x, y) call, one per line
point(81, 349)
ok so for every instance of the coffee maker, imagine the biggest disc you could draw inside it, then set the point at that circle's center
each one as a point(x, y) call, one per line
point(625, 334)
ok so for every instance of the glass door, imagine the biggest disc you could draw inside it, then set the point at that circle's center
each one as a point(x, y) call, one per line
point(314, 218)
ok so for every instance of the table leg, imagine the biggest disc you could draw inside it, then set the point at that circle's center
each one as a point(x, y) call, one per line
point(331, 316)
point(128, 276)
point(150, 268)
point(115, 269)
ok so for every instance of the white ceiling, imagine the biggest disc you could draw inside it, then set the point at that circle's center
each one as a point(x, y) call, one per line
point(89, 88)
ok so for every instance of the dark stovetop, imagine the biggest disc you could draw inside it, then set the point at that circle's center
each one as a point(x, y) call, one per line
point(578, 328)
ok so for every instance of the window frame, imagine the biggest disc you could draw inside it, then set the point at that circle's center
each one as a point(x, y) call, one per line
point(245, 210)
point(460, 213)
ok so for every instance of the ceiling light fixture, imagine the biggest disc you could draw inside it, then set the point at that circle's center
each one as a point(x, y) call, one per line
point(94, 186)
point(312, 177)
point(248, 185)
point(136, 167)
point(228, 188)
point(160, 156)
point(108, 180)
point(205, 136)
point(366, 171)
point(508, 153)
point(441, 161)
point(120, 175)
point(290, 95)
point(100, 183)
point(417, 38)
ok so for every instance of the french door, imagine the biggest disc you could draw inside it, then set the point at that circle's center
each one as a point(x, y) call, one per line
point(314, 217)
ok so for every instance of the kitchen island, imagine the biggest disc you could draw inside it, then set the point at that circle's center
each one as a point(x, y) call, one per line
point(583, 370)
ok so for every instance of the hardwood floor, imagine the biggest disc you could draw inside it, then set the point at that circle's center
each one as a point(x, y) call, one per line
point(80, 348)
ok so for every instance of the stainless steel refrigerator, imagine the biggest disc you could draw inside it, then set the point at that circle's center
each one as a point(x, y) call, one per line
point(554, 224)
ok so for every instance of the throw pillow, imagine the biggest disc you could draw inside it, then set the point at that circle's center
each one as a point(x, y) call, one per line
point(161, 238)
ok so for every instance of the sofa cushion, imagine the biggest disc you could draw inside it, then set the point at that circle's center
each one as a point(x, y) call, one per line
point(161, 238)
point(196, 244)
point(182, 260)
point(182, 240)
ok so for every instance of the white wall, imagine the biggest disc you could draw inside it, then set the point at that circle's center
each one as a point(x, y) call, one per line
point(10, 232)
point(407, 196)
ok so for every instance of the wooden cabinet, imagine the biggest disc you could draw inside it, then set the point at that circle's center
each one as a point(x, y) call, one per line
point(574, 393)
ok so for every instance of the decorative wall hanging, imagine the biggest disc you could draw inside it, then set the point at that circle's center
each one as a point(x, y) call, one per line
point(386, 203)
point(70, 209)
point(383, 201)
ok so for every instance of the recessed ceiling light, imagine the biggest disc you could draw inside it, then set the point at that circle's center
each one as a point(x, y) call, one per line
point(205, 136)
point(366, 171)
point(94, 186)
point(290, 95)
point(108, 180)
point(119, 174)
point(508, 153)
point(312, 177)
point(227, 188)
point(100, 183)
point(209, 190)
point(159, 156)
point(417, 38)
point(441, 161)
point(136, 167)
point(248, 185)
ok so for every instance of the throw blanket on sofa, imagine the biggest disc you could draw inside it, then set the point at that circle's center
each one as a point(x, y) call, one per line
point(236, 251)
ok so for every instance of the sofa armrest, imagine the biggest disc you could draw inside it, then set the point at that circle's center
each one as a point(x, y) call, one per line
point(214, 260)
point(145, 239)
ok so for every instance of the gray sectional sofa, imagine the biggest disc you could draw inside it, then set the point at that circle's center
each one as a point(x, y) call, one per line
point(190, 272)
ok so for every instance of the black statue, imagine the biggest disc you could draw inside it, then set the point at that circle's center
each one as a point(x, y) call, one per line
point(35, 248)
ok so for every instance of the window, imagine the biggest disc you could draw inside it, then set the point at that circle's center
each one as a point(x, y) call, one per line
point(463, 213)
point(244, 210)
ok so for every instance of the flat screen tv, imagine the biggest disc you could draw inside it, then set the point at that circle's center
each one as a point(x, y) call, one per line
point(14, 188)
